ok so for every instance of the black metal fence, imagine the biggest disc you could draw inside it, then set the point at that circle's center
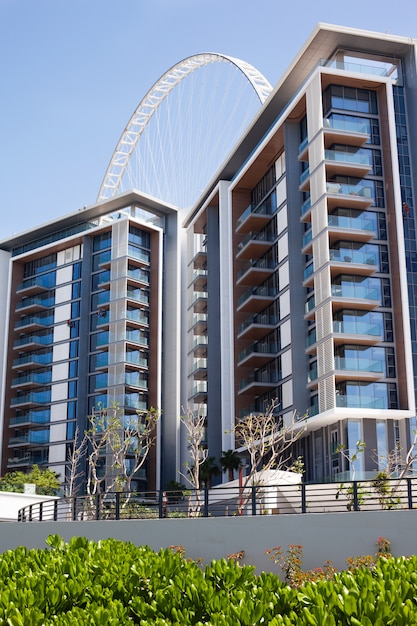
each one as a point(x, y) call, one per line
point(227, 501)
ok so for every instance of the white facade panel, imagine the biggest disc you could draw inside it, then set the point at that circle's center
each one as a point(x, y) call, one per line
point(63, 294)
point(59, 392)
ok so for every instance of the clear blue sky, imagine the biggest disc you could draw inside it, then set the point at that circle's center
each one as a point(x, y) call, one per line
point(73, 71)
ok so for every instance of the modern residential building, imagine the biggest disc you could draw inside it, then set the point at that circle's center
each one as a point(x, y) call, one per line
point(293, 278)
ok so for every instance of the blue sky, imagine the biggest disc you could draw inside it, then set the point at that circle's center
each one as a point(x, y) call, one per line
point(73, 71)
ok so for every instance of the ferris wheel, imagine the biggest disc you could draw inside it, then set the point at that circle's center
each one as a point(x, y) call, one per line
point(184, 128)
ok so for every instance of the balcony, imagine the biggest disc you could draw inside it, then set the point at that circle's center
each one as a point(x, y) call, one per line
point(34, 322)
point(137, 316)
point(135, 379)
point(136, 359)
point(199, 280)
point(305, 180)
point(34, 437)
point(132, 401)
point(134, 337)
point(362, 333)
point(360, 229)
point(28, 459)
point(361, 297)
point(199, 260)
point(303, 150)
point(254, 245)
point(199, 301)
point(256, 271)
point(345, 195)
point(360, 263)
point(138, 277)
point(199, 393)
point(256, 218)
point(257, 354)
point(199, 324)
point(306, 245)
point(352, 132)
point(33, 397)
point(34, 379)
point(199, 346)
point(259, 383)
point(38, 303)
point(347, 163)
point(29, 342)
point(257, 326)
point(29, 360)
point(142, 257)
point(137, 295)
point(256, 298)
point(199, 369)
point(361, 402)
point(305, 209)
point(31, 417)
point(363, 369)
point(36, 285)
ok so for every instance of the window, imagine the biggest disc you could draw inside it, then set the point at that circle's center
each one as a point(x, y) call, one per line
point(102, 241)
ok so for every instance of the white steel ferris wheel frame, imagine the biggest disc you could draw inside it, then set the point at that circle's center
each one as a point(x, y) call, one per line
point(152, 100)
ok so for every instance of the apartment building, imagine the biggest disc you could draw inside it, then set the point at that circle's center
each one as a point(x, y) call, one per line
point(307, 252)
point(292, 279)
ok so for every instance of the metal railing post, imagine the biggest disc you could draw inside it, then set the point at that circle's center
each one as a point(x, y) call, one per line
point(206, 501)
point(303, 498)
point(355, 496)
point(117, 506)
point(40, 511)
point(97, 506)
point(253, 498)
point(409, 493)
point(55, 510)
point(160, 504)
point(74, 509)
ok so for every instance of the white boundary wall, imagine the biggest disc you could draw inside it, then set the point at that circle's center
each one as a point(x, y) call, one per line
point(334, 536)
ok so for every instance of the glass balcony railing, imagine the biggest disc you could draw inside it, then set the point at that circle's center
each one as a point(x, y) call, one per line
point(136, 358)
point(35, 319)
point(39, 339)
point(350, 126)
point(268, 207)
point(267, 378)
point(139, 255)
point(260, 292)
point(354, 291)
point(35, 397)
point(306, 206)
point(137, 315)
point(261, 264)
point(198, 365)
point(353, 256)
point(135, 337)
point(350, 66)
point(263, 235)
point(35, 301)
point(350, 158)
point(137, 295)
point(309, 271)
point(312, 374)
point(29, 417)
point(359, 364)
point(36, 437)
point(45, 282)
point(354, 223)
point(303, 145)
point(261, 319)
point(41, 378)
point(201, 388)
point(359, 190)
point(136, 380)
point(358, 328)
point(41, 359)
point(133, 402)
point(310, 305)
point(304, 175)
point(258, 348)
point(37, 458)
point(307, 237)
point(199, 317)
point(311, 338)
point(361, 402)
point(139, 275)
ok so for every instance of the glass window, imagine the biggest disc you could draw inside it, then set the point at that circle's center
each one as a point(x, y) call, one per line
point(355, 436)
point(102, 241)
point(139, 237)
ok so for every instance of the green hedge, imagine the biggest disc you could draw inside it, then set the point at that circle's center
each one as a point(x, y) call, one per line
point(115, 583)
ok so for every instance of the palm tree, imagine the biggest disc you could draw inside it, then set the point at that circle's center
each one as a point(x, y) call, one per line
point(230, 461)
point(208, 469)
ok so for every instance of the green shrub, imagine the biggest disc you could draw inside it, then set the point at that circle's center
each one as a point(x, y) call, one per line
point(116, 583)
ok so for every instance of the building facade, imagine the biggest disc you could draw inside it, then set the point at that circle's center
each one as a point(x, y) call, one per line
point(293, 279)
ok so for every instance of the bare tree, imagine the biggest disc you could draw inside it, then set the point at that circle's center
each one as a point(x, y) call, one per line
point(118, 446)
point(268, 442)
point(74, 464)
point(194, 423)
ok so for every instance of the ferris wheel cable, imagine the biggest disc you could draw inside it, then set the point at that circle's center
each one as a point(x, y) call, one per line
point(152, 101)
